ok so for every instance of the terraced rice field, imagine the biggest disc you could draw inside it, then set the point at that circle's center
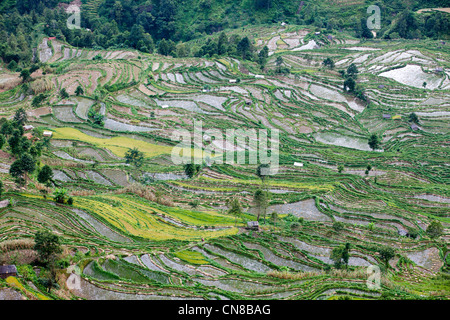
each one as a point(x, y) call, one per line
point(151, 232)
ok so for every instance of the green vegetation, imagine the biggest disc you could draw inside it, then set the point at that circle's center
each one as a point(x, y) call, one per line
point(134, 157)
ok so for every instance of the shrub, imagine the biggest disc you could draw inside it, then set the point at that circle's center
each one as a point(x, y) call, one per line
point(386, 254)
point(338, 226)
point(63, 263)
point(63, 93)
point(295, 225)
point(60, 195)
point(12, 65)
point(27, 272)
point(413, 233)
point(435, 229)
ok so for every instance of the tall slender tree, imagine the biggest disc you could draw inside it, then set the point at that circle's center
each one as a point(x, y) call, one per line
point(260, 201)
point(235, 208)
point(374, 141)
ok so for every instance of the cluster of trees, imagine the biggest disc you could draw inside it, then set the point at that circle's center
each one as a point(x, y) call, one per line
point(191, 169)
point(19, 27)
point(410, 25)
point(26, 152)
point(144, 24)
point(235, 46)
point(350, 85)
point(399, 19)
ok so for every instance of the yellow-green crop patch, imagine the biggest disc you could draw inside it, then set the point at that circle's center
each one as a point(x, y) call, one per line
point(281, 184)
point(118, 145)
point(192, 257)
point(14, 282)
point(142, 218)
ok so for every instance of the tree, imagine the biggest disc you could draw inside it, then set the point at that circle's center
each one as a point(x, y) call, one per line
point(1, 189)
point(260, 200)
point(235, 208)
point(435, 229)
point(346, 254)
point(118, 11)
point(23, 166)
point(191, 169)
point(28, 164)
point(182, 50)
point(374, 141)
point(274, 217)
point(20, 117)
point(279, 62)
point(340, 168)
point(15, 140)
point(12, 65)
point(6, 128)
point(2, 141)
point(340, 255)
point(59, 195)
point(328, 62)
point(25, 74)
point(63, 93)
point(245, 49)
point(134, 157)
point(17, 172)
point(263, 4)
point(47, 245)
point(349, 84)
point(413, 233)
point(79, 91)
point(222, 44)
point(386, 254)
point(414, 118)
point(37, 100)
point(424, 84)
point(45, 175)
point(163, 47)
point(36, 150)
point(352, 71)
point(365, 31)
point(262, 171)
point(263, 55)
